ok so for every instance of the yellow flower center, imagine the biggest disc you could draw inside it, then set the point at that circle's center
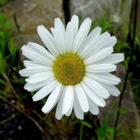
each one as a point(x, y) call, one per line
point(69, 69)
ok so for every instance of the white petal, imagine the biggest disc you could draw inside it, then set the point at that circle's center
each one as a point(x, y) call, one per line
point(93, 96)
point(45, 39)
point(111, 42)
point(35, 56)
point(82, 34)
point(96, 32)
point(45, 90)
point(58, 25)
point(96, 87)
point(105, 78)
point(69, 37)
point(58, 114)
point(71, 106)
point(101, 46)
point(25, 47)
point(82, 97)
point(75, 24)
point(36, 86)
point(77, 108)
point(48, 34)
point(35, 70)
point(32, 64)
point(113, 90)
point(39, 77)
point(70, 110)
point(41, 50)
point(52, 99)
point(89, 40)
point(98, 56)
point(93, 107)
point(100, 68)
point(113, 58)
point(95, 45)
point(75, 111)
point(59, 44)
point(67, 99)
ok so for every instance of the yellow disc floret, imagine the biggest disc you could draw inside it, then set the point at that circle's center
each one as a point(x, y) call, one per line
point(69, 69)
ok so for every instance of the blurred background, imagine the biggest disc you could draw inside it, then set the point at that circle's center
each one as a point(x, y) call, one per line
point(21, 118)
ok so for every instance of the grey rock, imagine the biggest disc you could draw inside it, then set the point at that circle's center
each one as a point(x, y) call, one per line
point(26, 15)
point(117, 10)
point(31, 13)
point(131, 120)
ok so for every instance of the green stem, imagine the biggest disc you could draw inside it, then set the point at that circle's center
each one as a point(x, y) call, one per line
point(129, 66)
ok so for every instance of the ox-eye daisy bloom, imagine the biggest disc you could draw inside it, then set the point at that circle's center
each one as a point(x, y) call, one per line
point(74, 70)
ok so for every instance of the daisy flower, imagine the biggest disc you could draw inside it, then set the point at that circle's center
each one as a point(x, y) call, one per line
point(74, 69)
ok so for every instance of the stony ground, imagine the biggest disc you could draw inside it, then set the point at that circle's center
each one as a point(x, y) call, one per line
point(15, 126)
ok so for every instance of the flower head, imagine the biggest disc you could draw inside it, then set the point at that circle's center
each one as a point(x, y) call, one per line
point(74, 70)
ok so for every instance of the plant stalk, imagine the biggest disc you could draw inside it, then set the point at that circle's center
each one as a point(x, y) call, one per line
point(129, 66)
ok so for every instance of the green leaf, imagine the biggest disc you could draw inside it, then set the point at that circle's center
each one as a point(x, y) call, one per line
point(5, 94)
point(2, 18)
point(3, 41)
point(8, 26)
point(32, 93)
point(120, 133)
point(105, 124)
point(111, 133)
point(81, 133)
point(102, 131)
point(122, 86)
point(2, 67)
point(93, 138)
point(126, 64)
point(86, 124)
point(120, 124)
point(124, 111)
point(3, 82)
point(12, 49)
point(116, 113)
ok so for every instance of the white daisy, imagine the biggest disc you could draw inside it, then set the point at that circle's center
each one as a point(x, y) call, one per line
point(74, 70)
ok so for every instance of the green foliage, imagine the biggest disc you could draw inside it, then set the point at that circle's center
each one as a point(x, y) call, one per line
point(81, 132)
point(107, 133)
point(7, 49)
point(124, 111)
point(120, 124)
point(84, 123)
point(8, 53)
point(104, 22)
point(3, 82)
point(4, 2)
point(102, 131)
point(12, 50)
point(2, 67)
